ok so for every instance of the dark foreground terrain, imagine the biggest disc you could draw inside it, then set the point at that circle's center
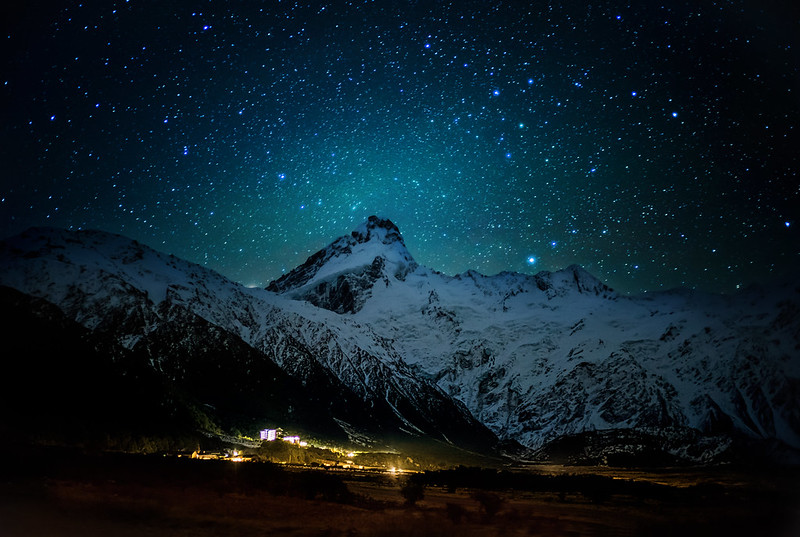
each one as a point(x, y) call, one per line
point(62, 493)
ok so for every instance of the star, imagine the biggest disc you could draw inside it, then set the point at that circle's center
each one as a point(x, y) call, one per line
point(146, 126)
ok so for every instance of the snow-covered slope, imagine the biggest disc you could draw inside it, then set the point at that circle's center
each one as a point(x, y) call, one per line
point(341, 276)
point(538, 357)
point(392, 344)
point(113, 285)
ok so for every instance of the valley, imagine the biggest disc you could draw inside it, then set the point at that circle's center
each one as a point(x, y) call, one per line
point(426, 404)
point(69, 494)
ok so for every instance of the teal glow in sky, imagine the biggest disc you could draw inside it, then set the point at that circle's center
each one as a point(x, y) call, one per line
point(655, 146)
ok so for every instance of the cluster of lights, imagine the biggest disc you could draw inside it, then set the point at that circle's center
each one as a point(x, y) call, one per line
point(270, 435)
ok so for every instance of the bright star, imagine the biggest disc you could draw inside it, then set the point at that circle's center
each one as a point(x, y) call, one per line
point(531, 260)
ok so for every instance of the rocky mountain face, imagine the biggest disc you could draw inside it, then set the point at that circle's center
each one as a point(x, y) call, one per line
point(341, 276)
point(60, 382)
point(360, 340)
point(252, 357)
point(538, 358)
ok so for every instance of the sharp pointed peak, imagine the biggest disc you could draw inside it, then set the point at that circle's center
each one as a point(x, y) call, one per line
point(376, 227)
point(375, 238)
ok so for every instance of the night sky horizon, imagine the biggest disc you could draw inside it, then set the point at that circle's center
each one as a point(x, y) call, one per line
point(657, 146)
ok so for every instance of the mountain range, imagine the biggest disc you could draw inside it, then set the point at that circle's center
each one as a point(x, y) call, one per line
point(362, 344)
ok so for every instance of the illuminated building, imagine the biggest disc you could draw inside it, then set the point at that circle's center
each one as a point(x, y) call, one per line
point(269, 434)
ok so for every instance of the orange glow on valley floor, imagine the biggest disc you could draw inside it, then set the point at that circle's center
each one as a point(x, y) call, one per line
point(158, 496)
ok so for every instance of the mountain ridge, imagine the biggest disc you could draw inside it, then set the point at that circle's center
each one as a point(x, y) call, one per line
point(468, 358)
point(488, 328)
point(119, 287)
point(336, 276)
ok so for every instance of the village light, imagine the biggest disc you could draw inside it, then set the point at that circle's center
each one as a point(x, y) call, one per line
point(269, 435)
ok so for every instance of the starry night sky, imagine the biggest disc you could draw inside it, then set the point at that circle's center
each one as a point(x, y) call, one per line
point(656, 144)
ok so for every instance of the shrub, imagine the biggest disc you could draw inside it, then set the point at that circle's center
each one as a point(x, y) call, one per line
point(412, 491)
point(490, 503)
point(455, 512)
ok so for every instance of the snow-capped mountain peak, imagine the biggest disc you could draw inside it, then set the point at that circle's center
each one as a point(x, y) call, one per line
point(532, 357)
point(537, 357)
point(175, 314)
point(576, 278)
point(377, 228)
point(372, 265)
point(340, 276)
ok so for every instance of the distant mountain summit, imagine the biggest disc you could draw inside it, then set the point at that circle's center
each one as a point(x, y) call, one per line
point(557, 354)
point(235, 357)
point(380, 229)
point(340, 277)
point(362, 342)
